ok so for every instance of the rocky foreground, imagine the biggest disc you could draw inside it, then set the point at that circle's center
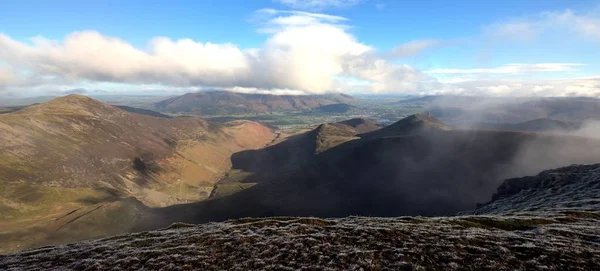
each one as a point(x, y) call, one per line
point(565, 242)
point(546, 222)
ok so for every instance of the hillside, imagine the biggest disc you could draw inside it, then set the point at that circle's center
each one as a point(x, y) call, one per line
point(231, 103)
point(427, 172)
point(559, 241)
point(280, 160)
point(301, 149)
point(75, 160)
point(569, 189)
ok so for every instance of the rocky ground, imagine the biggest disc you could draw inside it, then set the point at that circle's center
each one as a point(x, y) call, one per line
point(563, 242)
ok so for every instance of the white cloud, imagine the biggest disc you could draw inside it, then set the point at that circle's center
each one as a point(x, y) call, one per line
point(412, 48)
point(529, 28)
point(318, 4)
point(273, 21)
point(517, 68)
point(526, 88)
point(380, 6)
point(304, 52)
point(6, 76)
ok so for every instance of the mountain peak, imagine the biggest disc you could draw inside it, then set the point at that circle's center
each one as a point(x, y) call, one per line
point(73, 104)
point(410, 125)
point(361, 125)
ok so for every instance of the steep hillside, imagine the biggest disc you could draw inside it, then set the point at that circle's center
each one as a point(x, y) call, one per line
point(299, 150)
point(231, 103)
point(74, 158)
point(569, 189)
point(547, 241)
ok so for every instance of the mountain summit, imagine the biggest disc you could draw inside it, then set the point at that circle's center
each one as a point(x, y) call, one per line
point(412, 124)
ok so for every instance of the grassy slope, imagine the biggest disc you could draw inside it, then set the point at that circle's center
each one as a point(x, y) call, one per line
point(70, 156)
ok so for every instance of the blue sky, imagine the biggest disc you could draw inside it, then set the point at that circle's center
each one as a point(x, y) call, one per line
point(295, 46)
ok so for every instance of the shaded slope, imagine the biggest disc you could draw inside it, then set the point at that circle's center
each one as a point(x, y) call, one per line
point(435, 172)
point(361, 125)
point(299, 150)
point(230, 103)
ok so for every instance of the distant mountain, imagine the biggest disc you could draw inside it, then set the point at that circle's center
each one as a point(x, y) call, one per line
point(469, 110)
point(334, 108)
point(10, 109)
point(25, 101)
point(71, 167)
point(229, 103)
point(536, 125)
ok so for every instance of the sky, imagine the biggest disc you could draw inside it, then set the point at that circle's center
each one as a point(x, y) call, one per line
point(492, 48)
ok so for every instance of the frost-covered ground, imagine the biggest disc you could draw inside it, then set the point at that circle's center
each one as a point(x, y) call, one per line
point(560, 231)
point(355, 243)
point(574, 188)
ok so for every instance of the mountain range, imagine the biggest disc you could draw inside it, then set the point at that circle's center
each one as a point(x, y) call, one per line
point(131, 172)
point(231, 103)
point(470, 110)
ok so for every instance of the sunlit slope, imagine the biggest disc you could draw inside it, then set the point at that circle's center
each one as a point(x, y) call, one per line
point(75, 158)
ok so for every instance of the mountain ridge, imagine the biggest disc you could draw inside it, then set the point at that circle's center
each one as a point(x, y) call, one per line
point(233, 103)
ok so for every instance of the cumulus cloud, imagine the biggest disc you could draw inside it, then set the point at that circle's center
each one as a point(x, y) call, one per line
point(318, 4)
point(304, 52)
